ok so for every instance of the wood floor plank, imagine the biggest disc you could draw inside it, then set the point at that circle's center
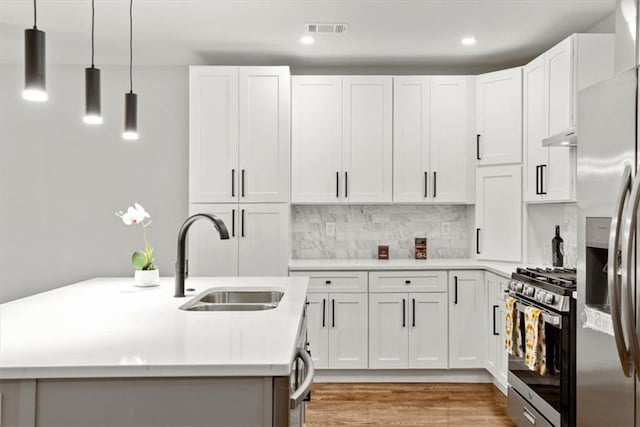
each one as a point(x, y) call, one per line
point(402, 405)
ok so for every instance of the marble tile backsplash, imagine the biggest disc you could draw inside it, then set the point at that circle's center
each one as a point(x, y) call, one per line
point(359, 229)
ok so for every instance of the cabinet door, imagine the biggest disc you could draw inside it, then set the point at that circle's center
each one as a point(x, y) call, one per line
point(558, 175)
point(558, 65)
point(499, 213)
point(316, 140)
point(536, 154)
point(318, 329)
point(499, 117)
point(388, 331)
point(502, 368)
point(449, 139)
point(348, 332)
point(208, 255)
point(264, 134)
point(428, 332)
point(467, 301)
point(411, 139)
point(263, 235)
point(213, 134)
point(366, 131)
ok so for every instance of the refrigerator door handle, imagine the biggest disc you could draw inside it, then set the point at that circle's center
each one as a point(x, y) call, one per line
point(625, 296)
point(613, 280)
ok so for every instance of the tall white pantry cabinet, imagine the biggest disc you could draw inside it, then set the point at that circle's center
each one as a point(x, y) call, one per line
point(239, 162)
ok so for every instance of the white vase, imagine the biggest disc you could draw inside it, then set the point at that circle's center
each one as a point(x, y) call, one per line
point(147, 278)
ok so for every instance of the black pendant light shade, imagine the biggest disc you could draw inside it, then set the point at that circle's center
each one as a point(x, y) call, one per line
point(34, 65)
point(93, 109)
point(130, 116)
point(130, 98)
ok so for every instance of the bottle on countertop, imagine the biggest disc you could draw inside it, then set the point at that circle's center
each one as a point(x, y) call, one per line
point(557, 249)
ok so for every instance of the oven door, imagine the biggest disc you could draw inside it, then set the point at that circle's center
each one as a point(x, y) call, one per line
point(543, 392)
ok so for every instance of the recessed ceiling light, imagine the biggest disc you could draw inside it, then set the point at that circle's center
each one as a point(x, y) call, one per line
point(307, 40)
point(468, 41)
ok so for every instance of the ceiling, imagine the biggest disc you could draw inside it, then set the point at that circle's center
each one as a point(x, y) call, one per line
point(399, 33)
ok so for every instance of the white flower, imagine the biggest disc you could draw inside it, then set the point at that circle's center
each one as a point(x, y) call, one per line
point(135, 215)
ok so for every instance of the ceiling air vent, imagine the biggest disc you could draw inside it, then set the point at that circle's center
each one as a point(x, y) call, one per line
point(326, 28)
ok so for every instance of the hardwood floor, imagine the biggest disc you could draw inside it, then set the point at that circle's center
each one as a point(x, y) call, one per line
point(406, 405)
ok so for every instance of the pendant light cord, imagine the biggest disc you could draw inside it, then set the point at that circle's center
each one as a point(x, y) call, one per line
point(35, 16)
point(130, 46)
point(93, 24)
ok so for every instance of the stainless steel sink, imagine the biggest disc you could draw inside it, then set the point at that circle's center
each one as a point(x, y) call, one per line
point(234, 300)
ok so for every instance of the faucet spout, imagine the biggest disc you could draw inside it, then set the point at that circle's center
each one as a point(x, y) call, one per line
point(181, 263)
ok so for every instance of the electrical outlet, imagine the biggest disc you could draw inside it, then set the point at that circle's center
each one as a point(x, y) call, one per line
point(446, 228)
point(330, 229)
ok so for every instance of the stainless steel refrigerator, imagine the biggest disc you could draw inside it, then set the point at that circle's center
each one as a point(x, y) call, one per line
point(608, 192)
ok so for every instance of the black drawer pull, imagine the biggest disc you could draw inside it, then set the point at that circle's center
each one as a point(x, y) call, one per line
point(404, 313)
point(478, 147)
point(327, 282)
point(455, 289)
point(408, 282)
point(324, 311)
point(495, 309)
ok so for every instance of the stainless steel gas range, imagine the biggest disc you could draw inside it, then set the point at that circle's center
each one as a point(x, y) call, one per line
point(549, 399)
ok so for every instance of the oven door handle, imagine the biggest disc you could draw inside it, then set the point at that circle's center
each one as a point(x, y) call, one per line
point(614, 264)
point(303, 389)
point(626, 292)
point(552, 319)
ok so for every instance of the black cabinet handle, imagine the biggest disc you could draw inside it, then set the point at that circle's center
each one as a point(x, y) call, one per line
point(542, 190)
point(413, 303)
point(333, 313)
point(242, 224)
point(233, 223)
point(242, 182)
point(337, 184)
point(455, 289)
point(495, 308)
point(477, 241)
point(327, 282)
point(537, 179)
point(233, 183)
point(346, 184)
point(426, 184)
point(404, 313)
point(435, 184)
point(478, 147)
point(407, 282)
point(324, 311)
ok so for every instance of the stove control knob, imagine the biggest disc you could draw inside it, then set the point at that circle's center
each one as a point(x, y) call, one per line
point(519, 286)
point(529, 292)
point(549, 299)
point(540, 296)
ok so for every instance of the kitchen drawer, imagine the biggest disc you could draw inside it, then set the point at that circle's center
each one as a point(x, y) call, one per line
point(523, 414)
point(408, 281)
point(335, 281)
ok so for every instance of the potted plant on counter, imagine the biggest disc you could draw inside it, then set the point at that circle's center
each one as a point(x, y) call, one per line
point(146, 274)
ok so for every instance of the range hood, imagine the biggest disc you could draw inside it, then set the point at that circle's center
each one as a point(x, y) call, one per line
point(566, 138)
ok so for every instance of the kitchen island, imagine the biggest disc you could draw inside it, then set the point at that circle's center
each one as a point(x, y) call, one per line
point(105, 353)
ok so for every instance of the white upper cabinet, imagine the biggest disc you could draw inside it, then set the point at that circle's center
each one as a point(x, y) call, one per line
point(431, 138)
point(264, 134)
point(213, 134)
point(342, 139)
point(551, 84)
point(499, 213)
point(316, 147)
point(499, 117)
point(239, 134)
point(367, 138)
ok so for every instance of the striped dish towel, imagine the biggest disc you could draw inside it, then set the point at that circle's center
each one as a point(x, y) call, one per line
point(512, 336)
point(535, 356)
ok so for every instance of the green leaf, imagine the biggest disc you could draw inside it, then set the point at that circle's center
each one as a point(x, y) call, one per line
point(139, 260)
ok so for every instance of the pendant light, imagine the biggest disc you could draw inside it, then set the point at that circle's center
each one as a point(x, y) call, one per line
point(130, 99)
point(34, 62)
point(93, 110)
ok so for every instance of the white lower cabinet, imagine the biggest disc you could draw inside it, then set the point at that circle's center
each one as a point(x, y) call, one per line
point(337, 313)
point(497, 356)
point(252, 228)
point(467, 340)
point(408, 330)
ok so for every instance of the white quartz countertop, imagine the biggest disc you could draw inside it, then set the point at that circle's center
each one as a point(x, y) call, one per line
point(106, 327)
point(501, 268)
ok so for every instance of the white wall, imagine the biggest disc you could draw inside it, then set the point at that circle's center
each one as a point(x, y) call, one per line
point(62, 180)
